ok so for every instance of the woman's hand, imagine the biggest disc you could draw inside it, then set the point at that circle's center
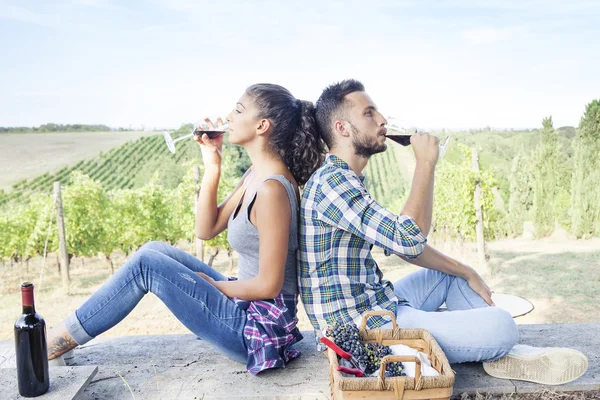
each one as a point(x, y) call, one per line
point(208, 279)
point(476, 283)
point(211, 148)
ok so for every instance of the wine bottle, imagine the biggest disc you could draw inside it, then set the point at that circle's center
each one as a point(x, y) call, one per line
point(31, 348)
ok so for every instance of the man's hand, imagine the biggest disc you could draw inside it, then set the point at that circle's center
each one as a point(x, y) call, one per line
point(426, 148)
point(476, 283)
point(437, 261)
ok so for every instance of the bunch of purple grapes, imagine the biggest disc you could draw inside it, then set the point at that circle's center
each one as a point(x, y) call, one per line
point(346, 337)
point(369, 355)
point(374, 353)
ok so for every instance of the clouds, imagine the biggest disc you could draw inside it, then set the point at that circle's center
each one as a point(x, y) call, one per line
point(23, 15)
point(533, 7)
point(490, 34)
point(447, 63)
point(78, 16)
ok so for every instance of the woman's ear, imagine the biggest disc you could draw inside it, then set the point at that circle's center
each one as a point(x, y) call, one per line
point(263, 126)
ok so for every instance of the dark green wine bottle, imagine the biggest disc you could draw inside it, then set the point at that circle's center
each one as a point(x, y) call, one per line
point(31, 348)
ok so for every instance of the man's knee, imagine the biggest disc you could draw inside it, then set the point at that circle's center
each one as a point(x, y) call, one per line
point(506, 333)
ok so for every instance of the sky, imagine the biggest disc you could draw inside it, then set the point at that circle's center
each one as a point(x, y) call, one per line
point(161, 63)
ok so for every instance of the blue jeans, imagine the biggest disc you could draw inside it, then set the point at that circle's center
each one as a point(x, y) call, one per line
point(170, 274)
point(469, 331)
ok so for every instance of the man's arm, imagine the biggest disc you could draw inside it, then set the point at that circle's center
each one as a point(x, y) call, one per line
point(419, 205)
point(420, 200)
point(430, 258)
point(345, 203)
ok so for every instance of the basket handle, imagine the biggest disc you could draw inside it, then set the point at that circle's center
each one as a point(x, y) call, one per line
point(385, 360)
point(386, 313)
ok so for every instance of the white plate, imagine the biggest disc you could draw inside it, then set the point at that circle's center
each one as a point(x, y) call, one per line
point(515, 305)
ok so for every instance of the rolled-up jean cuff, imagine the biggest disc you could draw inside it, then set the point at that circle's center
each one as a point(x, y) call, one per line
point(76, 330)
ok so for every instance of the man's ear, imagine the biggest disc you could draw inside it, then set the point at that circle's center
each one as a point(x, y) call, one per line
point(341, 128)
point(263, 126)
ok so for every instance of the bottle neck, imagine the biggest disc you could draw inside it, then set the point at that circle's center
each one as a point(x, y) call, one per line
point(28, 304)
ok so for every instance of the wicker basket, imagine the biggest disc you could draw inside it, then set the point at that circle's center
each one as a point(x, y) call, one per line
point(400, 387)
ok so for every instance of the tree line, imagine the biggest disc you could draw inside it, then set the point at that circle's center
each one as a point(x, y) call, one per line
point(548, 186)
point(51, 127)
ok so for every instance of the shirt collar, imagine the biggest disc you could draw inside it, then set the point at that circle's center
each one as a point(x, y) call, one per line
point(338, 162)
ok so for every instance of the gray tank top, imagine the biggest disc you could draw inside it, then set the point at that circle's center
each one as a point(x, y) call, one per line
point(243, 237)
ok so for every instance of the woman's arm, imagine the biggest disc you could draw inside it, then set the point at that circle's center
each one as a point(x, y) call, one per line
point(273, 215)
point(210, 218)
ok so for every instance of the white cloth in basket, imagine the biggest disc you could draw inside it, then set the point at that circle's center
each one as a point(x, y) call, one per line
point(409, 367)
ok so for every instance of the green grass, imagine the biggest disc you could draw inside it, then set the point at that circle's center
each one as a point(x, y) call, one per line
point(568, 278)
point(564, 286)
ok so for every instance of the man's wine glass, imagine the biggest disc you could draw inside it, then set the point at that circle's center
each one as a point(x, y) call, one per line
point(400, 131)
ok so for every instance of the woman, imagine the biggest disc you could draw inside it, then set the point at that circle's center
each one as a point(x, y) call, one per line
point(235, 315)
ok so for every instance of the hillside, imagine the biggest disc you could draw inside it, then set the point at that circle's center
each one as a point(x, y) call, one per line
point(132, 165)
point(28, 155)
point(389, 175)
point(127, 166)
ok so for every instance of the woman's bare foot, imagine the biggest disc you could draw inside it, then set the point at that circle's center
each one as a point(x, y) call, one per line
point(59, 341)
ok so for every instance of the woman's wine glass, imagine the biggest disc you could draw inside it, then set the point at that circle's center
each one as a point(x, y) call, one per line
point(200, 129)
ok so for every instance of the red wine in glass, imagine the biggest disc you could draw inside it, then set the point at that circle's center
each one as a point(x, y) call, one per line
point(404, 140)
point(199, 130)
point(400, 132)
point(212, 134)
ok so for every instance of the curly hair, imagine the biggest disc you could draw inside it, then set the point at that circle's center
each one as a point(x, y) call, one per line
point(295, 136)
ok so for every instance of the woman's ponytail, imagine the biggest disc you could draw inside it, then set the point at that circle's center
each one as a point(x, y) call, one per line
point(306, 151)
point(295, 135)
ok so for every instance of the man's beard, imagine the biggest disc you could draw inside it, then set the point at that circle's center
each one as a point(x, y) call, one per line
point(362, 146)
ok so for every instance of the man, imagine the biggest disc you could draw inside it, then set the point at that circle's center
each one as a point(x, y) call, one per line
point(340, 222)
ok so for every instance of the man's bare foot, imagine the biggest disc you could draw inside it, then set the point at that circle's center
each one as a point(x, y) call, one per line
point(59, 341)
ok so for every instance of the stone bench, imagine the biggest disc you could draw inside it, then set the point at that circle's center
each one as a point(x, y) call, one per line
point(181, 366)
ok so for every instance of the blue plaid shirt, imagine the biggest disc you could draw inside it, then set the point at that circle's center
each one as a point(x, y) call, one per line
point(339, 224)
